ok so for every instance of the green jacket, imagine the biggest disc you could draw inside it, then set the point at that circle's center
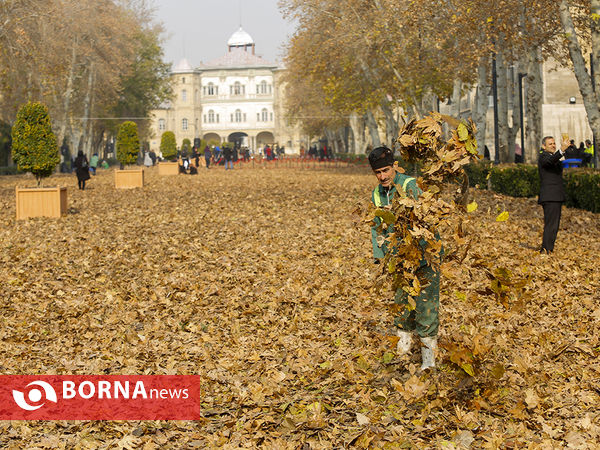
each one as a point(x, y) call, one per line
point(382, 197)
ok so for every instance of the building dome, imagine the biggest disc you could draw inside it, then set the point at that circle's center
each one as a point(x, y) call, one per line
point(183, 66)
point(240, 39)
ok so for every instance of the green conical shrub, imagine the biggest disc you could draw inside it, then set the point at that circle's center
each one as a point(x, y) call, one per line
point(128, 143)
point(186, 146)
point(34, 147)
point(168, 146)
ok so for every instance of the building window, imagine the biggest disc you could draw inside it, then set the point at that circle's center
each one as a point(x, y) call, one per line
point(262, 87)
point(204, 118)
point(258, 117)
point(237, 89)
point(265, 115)
point(244, 117)
point(217, 118)
point(184, 124)
point(184, 96)
point(183, 80)
point(211, 89)
point(211, 116)
point(238, 115)
point(271, 117)
point(162, 125)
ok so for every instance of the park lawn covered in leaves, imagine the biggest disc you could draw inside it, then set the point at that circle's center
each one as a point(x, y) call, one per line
point(259, 281)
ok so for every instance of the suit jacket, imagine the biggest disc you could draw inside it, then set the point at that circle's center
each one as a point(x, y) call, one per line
point(551, 182)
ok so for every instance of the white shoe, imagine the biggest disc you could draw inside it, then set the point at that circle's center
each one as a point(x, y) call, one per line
point(404, 343)
point(428, 352)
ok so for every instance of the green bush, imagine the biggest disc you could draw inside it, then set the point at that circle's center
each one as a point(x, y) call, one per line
point(516, 180)
point(478, 173)
point(582, 186)
point(128, 143)
point(583, 189)
point(186, 146)
point(34, 147)
point(168, 146)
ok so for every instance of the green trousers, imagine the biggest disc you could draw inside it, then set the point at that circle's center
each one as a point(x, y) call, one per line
point(424, 319)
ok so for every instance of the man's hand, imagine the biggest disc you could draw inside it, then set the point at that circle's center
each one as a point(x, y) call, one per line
point(565, 145)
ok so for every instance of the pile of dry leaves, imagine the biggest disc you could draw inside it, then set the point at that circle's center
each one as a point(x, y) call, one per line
point(258, 281)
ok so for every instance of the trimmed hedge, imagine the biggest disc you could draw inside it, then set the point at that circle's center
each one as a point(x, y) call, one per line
point(582, 186)
point(34, 147)
point(168, 146)
point(128, 143)
point(583, 189)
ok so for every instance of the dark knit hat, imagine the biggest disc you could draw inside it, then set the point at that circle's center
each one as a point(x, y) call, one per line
point(381, 157)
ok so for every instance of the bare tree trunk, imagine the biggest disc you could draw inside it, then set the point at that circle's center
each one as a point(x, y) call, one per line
point(358, 128)
point(481, 103)
point(535, 94)
point(67, 97)
point(455, 109)
point(373, 129)
point(502, 108)
point(516, 111)
point(391, 124)
point(590, 100)
point(87, 108)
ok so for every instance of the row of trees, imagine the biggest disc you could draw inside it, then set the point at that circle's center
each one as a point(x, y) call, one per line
point(93, 62)
point(359, 63)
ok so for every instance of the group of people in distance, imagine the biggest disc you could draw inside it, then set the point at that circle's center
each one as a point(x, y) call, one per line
point(422, 318)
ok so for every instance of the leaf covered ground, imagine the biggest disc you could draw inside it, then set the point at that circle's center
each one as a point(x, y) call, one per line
point(259, 281)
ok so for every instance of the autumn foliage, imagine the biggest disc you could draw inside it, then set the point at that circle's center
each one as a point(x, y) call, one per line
point(267, 296)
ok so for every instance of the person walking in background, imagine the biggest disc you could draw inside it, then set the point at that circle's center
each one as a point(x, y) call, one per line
point(94, 163)
point(82, 169)
point(228, 155)
point(588, 154)
point(147, 159)
point(552, 190)
point(207, 155)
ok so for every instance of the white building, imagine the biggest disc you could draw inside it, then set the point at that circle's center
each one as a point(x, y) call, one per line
point(233, 98)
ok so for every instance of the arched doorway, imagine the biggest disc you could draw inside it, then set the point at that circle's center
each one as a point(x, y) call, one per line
point(212, 137)
point(263, 138)
point(240, 139)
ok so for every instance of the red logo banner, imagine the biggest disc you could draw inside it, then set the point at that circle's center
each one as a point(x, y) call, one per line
point(99, 397)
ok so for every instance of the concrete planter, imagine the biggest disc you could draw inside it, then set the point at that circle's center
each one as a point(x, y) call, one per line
point(41, 202)
point(129, 178)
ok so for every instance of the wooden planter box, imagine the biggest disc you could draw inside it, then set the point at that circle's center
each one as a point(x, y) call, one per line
point(129, 178)
point(168, 168)
point(41, 202)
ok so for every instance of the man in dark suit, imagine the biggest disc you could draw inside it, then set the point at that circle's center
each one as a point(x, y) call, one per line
point(552, 190)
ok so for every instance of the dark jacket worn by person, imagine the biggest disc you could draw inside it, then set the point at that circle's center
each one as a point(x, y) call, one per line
point(551, 182)
point(82, 168)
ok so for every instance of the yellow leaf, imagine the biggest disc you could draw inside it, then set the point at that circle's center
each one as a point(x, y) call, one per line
point(468, 368)
point(471, 207)
point(502, 217)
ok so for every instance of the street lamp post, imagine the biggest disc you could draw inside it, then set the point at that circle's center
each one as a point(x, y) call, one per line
point(594, 160)
point(521, 76)
point(495, 95)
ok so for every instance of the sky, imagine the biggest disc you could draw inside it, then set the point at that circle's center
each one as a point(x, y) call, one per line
point(199, 29)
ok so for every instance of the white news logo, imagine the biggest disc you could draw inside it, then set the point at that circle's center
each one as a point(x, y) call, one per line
point(35, 395)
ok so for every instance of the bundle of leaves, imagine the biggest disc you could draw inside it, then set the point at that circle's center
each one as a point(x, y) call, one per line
point(413, 225)
point(34, 147)
point(168, 146)
point(128, 143)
